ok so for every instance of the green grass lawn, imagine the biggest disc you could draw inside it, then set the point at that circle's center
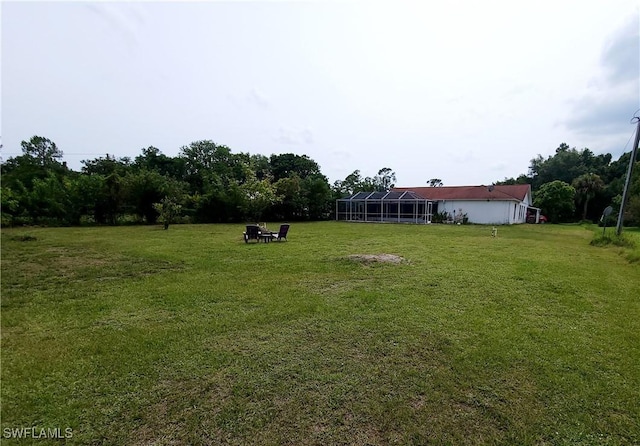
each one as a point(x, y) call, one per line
point(140, 336)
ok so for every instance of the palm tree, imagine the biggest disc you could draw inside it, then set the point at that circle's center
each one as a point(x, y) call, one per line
point(587, 186)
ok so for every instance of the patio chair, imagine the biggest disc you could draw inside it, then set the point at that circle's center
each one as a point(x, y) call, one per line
point(252, 233)
point(281, 234)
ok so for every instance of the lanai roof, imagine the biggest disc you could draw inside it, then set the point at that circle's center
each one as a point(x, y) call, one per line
point(506, 192)
point(387, 195)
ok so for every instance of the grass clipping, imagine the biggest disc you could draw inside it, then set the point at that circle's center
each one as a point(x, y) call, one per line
point(376, 258)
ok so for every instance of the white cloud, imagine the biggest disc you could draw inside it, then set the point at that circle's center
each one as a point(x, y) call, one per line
point(621, 55)
point(257, 98)
point(294, 136)
point(610, 99)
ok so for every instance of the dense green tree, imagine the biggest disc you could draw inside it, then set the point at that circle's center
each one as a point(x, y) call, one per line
point(42, 150)
point(318, 197)
point(259, 164)
point(151, 159)
point(632, 209)
point(9, 206)
point(146, 187)
point(107, 165)
point(293, 202)
point(40, 157)
point(385, 180)
point(288, 164)
point(521, 179)
point(112, 199)
point(23, 170)
point(566, 165)
point(220, 185)
point(85, 192)
point(168, 211)
point(351, 184)
point(218, 200)
point(257, 195)
point(557, 201)
point(210, 201)
point(354, 182)
point(49, 201)
point(586, 187)
point(206, 157)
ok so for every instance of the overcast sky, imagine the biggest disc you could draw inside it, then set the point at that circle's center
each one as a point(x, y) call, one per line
point(464, 91)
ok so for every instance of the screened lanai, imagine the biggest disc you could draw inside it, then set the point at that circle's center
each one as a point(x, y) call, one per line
point(400, 207)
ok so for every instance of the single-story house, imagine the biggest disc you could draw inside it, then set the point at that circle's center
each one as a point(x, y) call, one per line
point(508, 204)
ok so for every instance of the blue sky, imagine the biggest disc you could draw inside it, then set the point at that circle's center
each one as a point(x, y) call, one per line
point(464, 91)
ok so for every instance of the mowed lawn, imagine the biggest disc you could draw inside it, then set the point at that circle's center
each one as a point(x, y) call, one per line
point(140, 336)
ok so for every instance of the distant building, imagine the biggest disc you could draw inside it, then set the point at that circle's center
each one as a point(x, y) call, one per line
point(509, 204)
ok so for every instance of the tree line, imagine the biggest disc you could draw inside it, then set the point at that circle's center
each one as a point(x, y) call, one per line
point(208, 183)
point(205, 183)
point(574, 185)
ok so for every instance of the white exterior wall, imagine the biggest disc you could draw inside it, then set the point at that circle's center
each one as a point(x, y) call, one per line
point(487, 212)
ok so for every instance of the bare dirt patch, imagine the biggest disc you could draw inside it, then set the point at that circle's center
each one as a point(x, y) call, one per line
point(376, 258)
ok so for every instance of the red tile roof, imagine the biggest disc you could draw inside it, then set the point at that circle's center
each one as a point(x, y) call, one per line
point(510, 192)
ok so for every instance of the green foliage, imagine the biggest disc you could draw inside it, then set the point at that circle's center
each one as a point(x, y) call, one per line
point(522, 179)
point(303, 192)
point(42, 150)
point(569, 164)
point(9, 206)
point(628, 242)
point(566, 165)
point(145, 187)
point(205, 158)
point(48, 201)
point(106, 166)
point(632, 211)
point(318, 197)
point(213, 184)
point(383, 181)
point(257, 195)
point(112, 200)
point(622, 240)
point(84, 193)
point(586, 187)
point(289, 164)
point(20, 171)
point(168, 211)
point(153, 160)
point(440, 217)
point(293, 203)
point(556, 199)
point(260, 165)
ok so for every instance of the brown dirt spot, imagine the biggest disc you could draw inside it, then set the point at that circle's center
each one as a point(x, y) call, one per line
point(372, 258)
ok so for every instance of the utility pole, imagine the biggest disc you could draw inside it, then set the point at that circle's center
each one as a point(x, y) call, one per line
point(627, 183)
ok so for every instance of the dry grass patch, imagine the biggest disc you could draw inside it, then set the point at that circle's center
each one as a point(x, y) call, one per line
point(376, 258)
point(53, 266)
